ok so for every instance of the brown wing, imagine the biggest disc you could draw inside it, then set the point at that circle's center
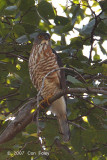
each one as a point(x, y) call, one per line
point(62, 72)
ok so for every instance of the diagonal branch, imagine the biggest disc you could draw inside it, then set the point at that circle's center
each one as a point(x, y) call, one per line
point(54, 70)
point(15, 55)
point(23, 118)
point(25, 114)
point(10, 95)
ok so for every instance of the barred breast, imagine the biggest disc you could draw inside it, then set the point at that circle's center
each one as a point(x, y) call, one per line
point(42, 60)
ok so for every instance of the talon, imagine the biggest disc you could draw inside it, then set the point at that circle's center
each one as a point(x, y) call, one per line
point(46, 100)
point(41, 106)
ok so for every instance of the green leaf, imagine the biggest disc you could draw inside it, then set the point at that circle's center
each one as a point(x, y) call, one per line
point(29, 28)
point(45, 9)
point(66, 28)
point(11, 8)
point(2, 117)
point(96, 57)
point(96, 101)
point(102, 49)
point(104, 67)
point(48, 131)
point(87, 29)
point(18, 30)
point(76, 1)
point(34, 135)
point(103, 16)
point(101, 30)
point(26, 4)
point(91, 137)
point(20, 22)
point(22, 39)
point(103, 5)
point(73, 80)
point(95, 4)
point(76, 139)
point(99, 101)
point(76, 43)
point(31, 17)
point(79, 70)
point(3, 4)
point(14, 80)
point(58, 29)
point(33, 35)
point(95, 119)
point(59, 20)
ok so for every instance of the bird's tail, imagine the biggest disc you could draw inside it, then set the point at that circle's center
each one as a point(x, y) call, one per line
point(64, 127)
point(59, 108)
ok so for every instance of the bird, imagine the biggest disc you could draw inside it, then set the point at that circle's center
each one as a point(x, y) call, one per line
point(43, 59)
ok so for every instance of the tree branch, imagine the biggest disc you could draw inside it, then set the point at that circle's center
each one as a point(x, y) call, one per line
point(10, 95)
point(78, 90)
point(15, 55)
point(25, 116)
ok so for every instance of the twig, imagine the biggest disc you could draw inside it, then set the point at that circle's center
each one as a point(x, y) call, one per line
point(62, 146)
point(77, 125)
point(104, 109)
point(9, 95)
point(15, 108)
point(25, 115)
point(15, 55)
point(39, 93)
point(54, 70)
point(70, 122)
point(31, 142)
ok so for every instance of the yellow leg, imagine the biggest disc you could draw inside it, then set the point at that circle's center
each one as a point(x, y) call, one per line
point(44, 101)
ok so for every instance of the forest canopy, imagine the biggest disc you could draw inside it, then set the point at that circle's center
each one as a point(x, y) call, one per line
point(86, 79)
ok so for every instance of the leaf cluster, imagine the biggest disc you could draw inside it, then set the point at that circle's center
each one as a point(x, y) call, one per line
point(20, 21)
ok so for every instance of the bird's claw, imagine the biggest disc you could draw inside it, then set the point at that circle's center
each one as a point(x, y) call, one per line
point(45, 102)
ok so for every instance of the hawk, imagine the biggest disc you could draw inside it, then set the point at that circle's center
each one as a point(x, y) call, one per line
point(42, 60)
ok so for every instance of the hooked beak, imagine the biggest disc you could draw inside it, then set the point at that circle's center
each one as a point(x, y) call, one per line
point(47, 42)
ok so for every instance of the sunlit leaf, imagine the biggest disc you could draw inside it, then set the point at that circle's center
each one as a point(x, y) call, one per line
point(11, 8)
point(20, 22)
point(96, 57)
point(34, 134)
point(2, 117)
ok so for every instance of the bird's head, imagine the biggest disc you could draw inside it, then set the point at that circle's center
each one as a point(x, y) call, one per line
point(42, 38)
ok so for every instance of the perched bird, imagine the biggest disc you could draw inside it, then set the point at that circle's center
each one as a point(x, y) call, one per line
point(44, 59)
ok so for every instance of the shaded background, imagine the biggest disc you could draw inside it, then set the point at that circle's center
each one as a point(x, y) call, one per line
point(20, 21)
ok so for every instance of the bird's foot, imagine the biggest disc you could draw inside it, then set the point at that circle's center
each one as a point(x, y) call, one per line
point(45, 102)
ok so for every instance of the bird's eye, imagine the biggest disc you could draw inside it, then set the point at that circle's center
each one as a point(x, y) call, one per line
point(40, 36)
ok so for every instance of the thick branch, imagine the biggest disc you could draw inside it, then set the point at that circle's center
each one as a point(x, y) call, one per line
point(25, 116)
point(78, 90)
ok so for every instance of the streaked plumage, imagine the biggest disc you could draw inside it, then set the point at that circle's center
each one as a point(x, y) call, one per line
point(43, 60)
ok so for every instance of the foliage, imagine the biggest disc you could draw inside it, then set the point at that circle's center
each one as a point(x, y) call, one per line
point(20, 21)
